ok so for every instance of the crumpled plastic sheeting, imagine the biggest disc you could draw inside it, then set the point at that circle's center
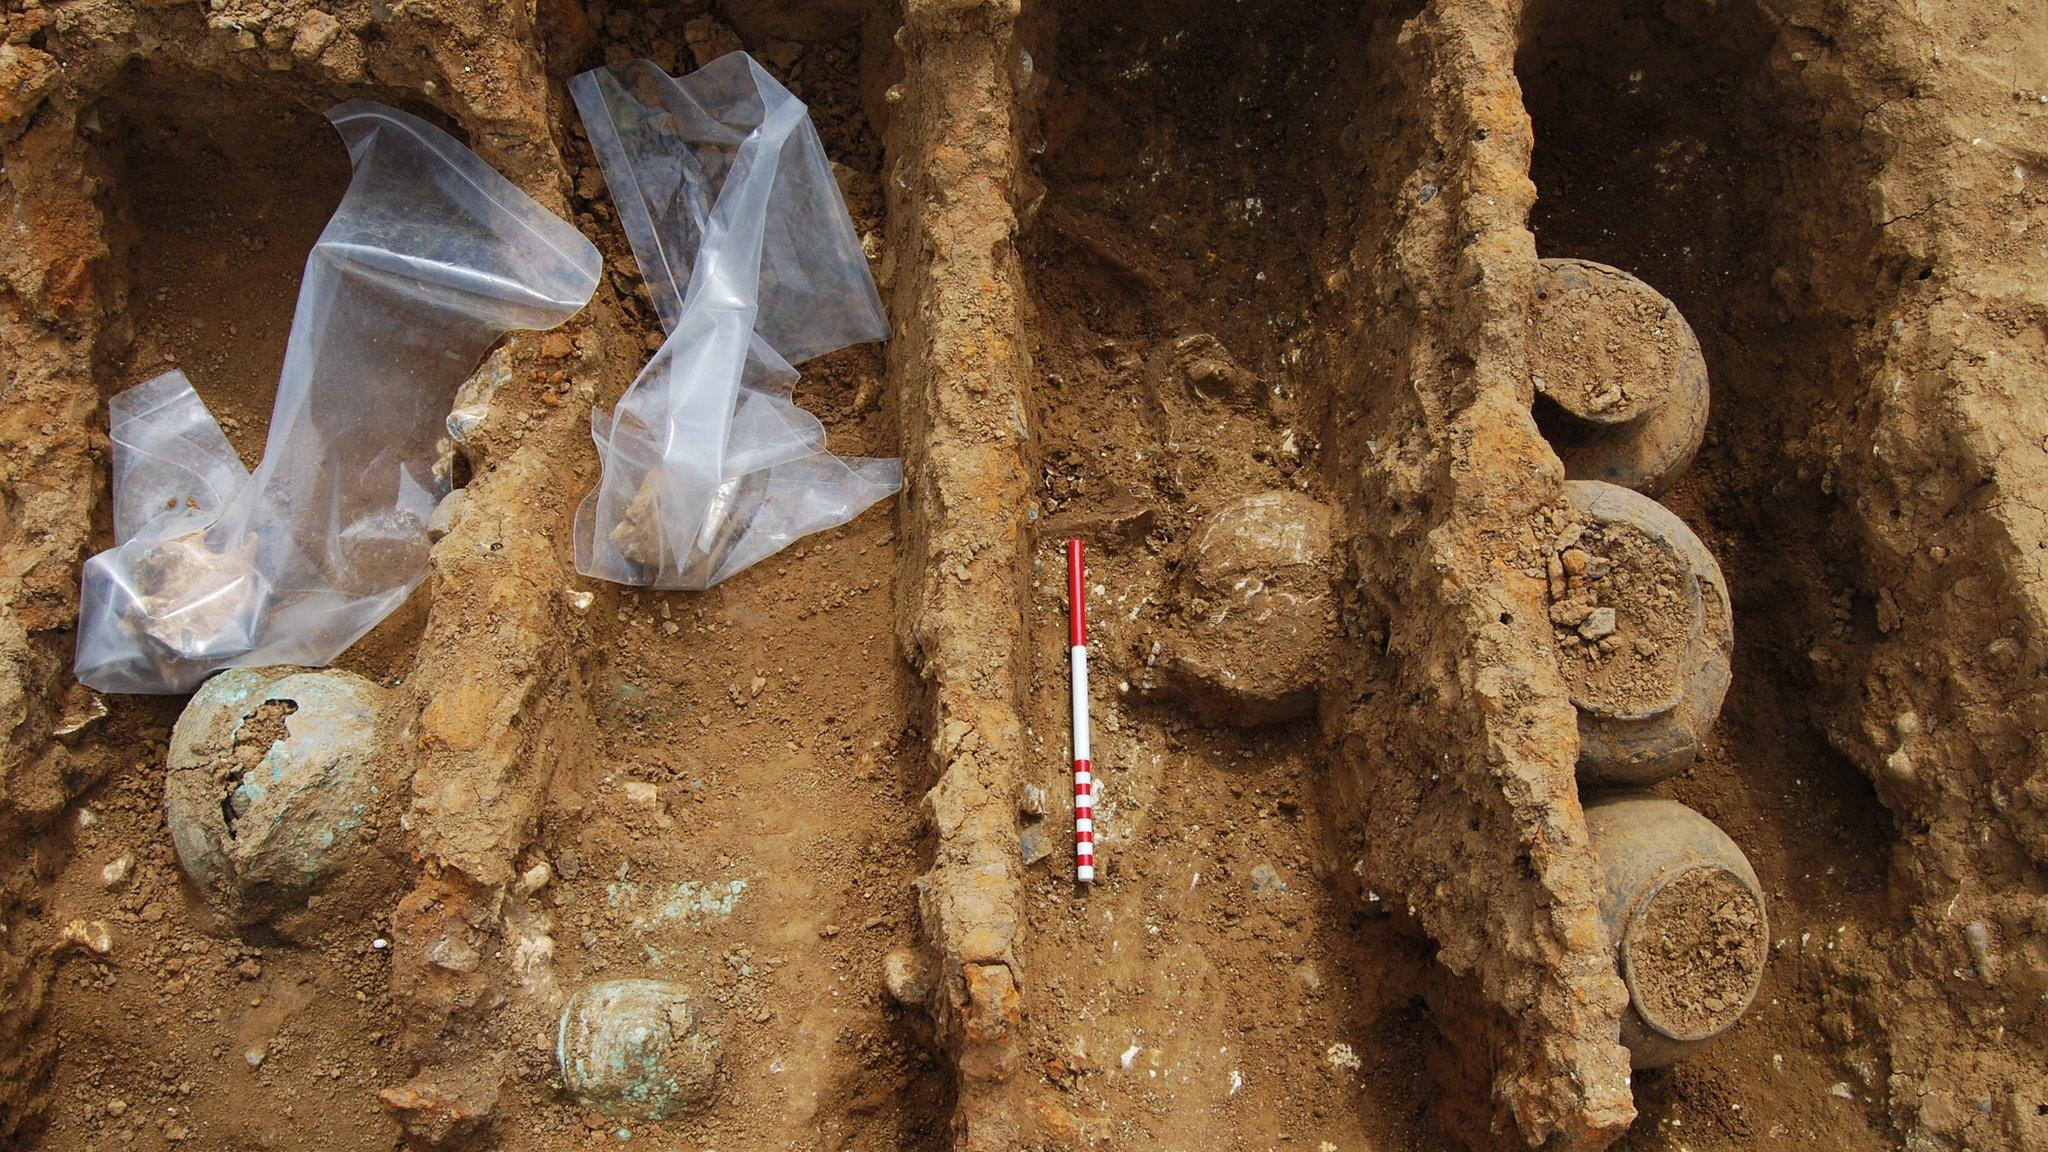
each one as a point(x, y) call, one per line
point(431, 258)
point(727, 198)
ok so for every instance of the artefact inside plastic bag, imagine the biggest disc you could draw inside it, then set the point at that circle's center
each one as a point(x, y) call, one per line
point(431, 257)
point(729, 202)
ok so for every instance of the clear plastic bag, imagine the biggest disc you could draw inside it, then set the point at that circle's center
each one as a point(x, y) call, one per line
point(431, 257)
point(727, 198)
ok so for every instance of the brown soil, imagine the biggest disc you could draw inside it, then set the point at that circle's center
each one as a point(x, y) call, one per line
point(264, 727)
point(1695, 952)
point(1142, 261)
point(1639, 666)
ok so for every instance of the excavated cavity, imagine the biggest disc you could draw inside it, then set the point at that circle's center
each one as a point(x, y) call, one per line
point(1171, 209)
point(754, 738)
point(1668, 145)
point(263, 728)
point(209, 192)
point(1142, 261)
point(214, 194)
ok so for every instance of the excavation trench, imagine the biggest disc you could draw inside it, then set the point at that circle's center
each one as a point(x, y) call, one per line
point(705, 801)
point(1155, 275)
point(1172, 208)
point(1714, 155)
point(1662, 150)
point(738, 823)
point(208, 181)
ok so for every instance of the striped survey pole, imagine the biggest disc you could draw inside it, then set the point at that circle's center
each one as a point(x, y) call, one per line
point(1084, 780)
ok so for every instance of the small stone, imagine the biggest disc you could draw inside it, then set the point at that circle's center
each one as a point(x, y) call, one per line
point(754, 688)
point(536, 878)
point(640, 792)
point(1983, 954)
point(250, 969)
point(255, 1054)
point(83, 710)
point(1033, 845)
point(442, 1113)
point(1598, 623)
point(1031, 801)
point(1840, 1090)
point(118, 870)
point(90, 935)
point(316, 31)
point(907, 977)
point(442, 522)
point(1568, 613)
point(1266, 882)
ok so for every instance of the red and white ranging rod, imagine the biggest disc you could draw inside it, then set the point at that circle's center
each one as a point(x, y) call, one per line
point(1084, 780)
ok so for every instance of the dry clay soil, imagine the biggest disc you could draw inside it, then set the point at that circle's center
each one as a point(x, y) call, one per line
point(1141, 260)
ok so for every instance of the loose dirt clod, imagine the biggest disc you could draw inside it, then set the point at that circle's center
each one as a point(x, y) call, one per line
point(117, 870)
point(88, 936)
point(908, 978)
